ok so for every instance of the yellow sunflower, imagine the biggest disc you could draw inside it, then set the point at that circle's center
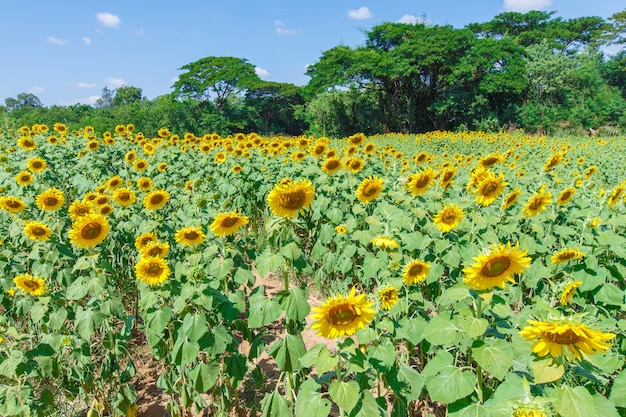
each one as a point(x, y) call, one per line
point(144, 183)
point(225, 224)
point(124, 197)
point(89, 231)
point(489, 188)
point(537, 203)
point(354, 165)
point(448, 218)
point(331, 165)
point(415, 272)
point(616, 194)
point(12, 204)
point(52, 199)
point(156, 249)
point(369, 189)
point(93, 145)
point(79, 209)
point(162, 167)
point(568, 292)
point(566, 255)
point(26, 143)
point(590, 171)
point(35, 230)
point(511, 198)
point(114, 182)
point(286, 200)
point(152, 270)
point(36, 165)
point(220, 158)
point(144, 240)
point(526, 411)
point(130, 156)
point(341, 229)
point(420, 182)
point(190, 236)
point(384, 242)
point(566, 195)
point(105, 209)
point(496, 267)
point(31, 285)
point(156, 199)
point(342, 316)
point(388, 297)
point(24, 178)
point(565, 340)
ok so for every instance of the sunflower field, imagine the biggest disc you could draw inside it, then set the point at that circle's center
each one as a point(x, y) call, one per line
point(470, 274)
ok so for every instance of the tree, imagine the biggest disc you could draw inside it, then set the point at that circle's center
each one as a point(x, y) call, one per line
point(24, 101)
point(106, 99)
point(127, 95)
point(274, 106)
point(218, 77)
point(615, 33)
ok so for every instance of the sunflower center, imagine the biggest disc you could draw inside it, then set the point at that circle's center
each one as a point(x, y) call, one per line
point(370, 190)
point(535, 204)
point(332, 164)
point(356, 165)
point(421, 157)
point(496, 266)
point(124, 197)
point(293, 200)
point(342, 314)
point(448, 217)
point(31, 284)
point(566, 195)
point(51, 201)
point(192, 235)
point(490, 188)
point(568, 337)
point(13, 204)
point(447, 176)
point(415, 270)
point(154, 269)
point(156, 251)
point(156, 199)
point(422, 181)
point(38, 231)
point(229, 221)
point(91, 230)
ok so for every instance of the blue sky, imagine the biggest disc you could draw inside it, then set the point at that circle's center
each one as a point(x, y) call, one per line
point(66, 51)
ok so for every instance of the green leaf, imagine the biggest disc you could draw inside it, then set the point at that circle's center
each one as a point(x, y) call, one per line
point(382, 356)
point(194, 326)
point(269, 262)
point(474, 410)
point(445, 382)
point(610, 294)
point(573, 402)
point(406, 381)
point(325, 361)
point(367, 406)
point(454, 294)
point(159, 319)
point(473, 326)
point(344, 394)
point(310, 402)
point(87, 321)
point(545, 371)
point(184, 351)
point(263, 310)
point(204, 375)
point(604, 407)
point(275, 405)
point(441, 331)
point(220, 268)
point(287, 352)
point(411, 329)
point(618, 390)
point(495, 356)
point(294, 302)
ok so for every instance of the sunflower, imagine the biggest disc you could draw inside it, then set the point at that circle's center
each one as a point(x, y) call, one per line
point(130, 156)
point(36, 165)
point(31, 285)
point(566, 255)
point(152, 270)
point(537, 203)
point(566, 195)
point(156, 199)
point(552, 162)
point(286, 200)
point(24, 178)
point(511, 198)
point(448, 218)
point(124, 197)
point(26, 143)
point(384, 242)
point(93, 145)
point(354, 165)
point(35, 230)
point(60, 128)
point(114, 182)
point(369, 148)
point(331, 165)
point(144, 183)
point(190, 236)
point(446, 177)
point(140, 165)
point(388, 297)
point(79, 209)
point(490, 160)
point(162, 167)
point(565, 339)
point(489, 188)
point(52, 199)
point(220, 158)
point(616, 194)
point(590, 171)
point(101, 200)
point(105, 209)
point(415, 272)
point(477, 174)
point(568, 292)
point(369, 189)
point(496, 267)
point(341, 229)
point(145, 239)
point(342, 316)
point(12, 204)
point(526, 411)
point(420, 182)
point(225, 224)
point(89, 231)
point(156, 249)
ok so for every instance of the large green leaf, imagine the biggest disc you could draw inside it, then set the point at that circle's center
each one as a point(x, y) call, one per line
point(294, 302)
point(544, 371)
point(310, 402)
point(495, 356)
point(405, 381)
point(204, 375)
point(269, 262)
point(287, 352)
point(474, 327)
point(474, 410)
point(618, 390)
point(344, 394)
point(411, 329)
point(573, 402)
point(275, 405)
point(446, 382)
point(263, 310)
point(194, 326)
point(442, 331)
point(159, 319)
point(382, 356)
point(604, 407)
point(184, 351)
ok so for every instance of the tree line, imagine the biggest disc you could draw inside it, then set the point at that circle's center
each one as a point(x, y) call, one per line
point(520, 70)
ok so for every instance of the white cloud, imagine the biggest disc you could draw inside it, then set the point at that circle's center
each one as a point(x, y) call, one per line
point(113, 82)
point(524, 6)
point(35, 90)
point(81, 84)
point(91, 100)
point(86, 40)
point(108, 19)
point(282, 30)
point(413, 20)
point(261, 72)
point(56, 41)
point(360, 14)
